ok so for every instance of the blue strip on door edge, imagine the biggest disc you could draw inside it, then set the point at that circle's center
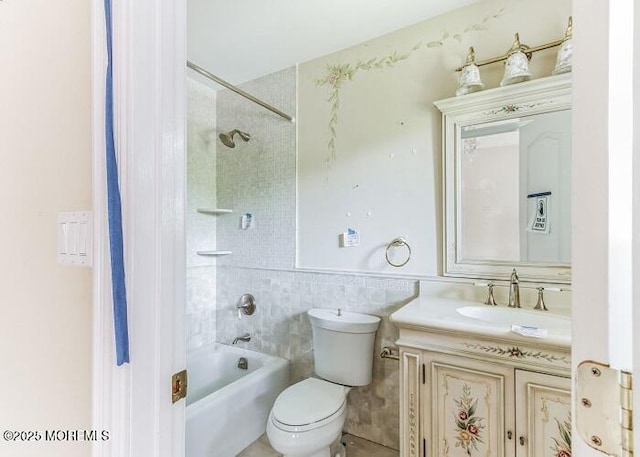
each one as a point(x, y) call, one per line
point(115, 212)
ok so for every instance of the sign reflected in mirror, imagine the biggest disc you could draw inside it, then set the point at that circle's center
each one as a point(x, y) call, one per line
point(515, 189)
point(507, 193)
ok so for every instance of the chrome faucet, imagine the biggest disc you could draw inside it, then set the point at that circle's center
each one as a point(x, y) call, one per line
point(514, 291)
point(244, 338)
point(540, 304)
point(490, 299)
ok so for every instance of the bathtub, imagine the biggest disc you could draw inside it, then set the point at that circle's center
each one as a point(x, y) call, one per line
point(227, 407)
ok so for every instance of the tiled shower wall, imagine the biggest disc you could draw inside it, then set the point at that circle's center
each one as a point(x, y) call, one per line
point(200, 235)
point(259, 177)
point(280, 327)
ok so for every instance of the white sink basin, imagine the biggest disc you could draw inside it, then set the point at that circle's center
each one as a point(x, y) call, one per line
point(511, 316)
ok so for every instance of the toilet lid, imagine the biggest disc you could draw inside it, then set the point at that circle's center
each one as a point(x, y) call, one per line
point(308, 401)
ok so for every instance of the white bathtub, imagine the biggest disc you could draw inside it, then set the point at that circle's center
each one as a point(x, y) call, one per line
point(227, 407)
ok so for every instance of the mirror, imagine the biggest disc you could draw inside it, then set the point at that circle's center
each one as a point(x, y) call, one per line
point(507, 198)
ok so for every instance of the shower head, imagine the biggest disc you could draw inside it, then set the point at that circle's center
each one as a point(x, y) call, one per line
point(227, 138)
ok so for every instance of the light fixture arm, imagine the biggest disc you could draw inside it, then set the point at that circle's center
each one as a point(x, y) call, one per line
point(527, 50)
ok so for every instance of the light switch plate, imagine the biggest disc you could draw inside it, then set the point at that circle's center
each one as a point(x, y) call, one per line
point(75, 238)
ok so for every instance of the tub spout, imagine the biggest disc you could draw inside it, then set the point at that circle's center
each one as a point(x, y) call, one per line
point(244, 338)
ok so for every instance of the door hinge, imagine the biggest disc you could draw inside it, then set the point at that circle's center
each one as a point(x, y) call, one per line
point(178, 386)
point(604, 408)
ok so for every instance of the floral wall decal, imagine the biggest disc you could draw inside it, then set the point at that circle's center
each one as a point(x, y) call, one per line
point(337, 75)
point(469, 426)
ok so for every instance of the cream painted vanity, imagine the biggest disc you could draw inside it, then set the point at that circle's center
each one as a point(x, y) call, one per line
point(469, 385)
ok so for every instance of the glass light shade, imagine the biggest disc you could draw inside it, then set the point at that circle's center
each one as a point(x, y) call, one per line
point(565, 53)
point(469, 80)
point(516, 69)
point(469, 76)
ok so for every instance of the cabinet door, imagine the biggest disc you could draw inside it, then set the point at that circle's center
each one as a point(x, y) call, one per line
point(469, 407)
point(543, 410)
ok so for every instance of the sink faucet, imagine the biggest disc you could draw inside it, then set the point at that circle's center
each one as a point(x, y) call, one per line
point(244, 338)
point(514, 291)
point(490, 299)
point(540, 305)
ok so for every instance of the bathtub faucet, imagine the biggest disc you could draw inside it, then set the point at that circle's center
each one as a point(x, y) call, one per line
point(244, 338)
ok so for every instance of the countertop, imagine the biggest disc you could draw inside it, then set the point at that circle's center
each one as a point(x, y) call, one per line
point(438, 314)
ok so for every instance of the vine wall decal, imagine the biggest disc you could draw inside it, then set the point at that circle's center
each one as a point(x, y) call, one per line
point(337, 75)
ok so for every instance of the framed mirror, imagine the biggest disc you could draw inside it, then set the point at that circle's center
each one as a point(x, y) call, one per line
point(507, 182)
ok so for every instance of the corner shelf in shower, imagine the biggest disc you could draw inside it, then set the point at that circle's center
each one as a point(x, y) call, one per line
point(214, 211)
point(213, 253)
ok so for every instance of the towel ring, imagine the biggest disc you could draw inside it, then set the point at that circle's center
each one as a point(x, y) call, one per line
point(400, 241)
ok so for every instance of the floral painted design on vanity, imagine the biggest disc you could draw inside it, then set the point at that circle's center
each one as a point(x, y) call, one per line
point(561, 446)
point(484, 390)
point(469, 425)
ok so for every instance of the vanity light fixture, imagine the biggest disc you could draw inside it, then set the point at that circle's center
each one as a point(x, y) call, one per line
point(469, 76)
point(565, 53)
point(563, 63)
point(516, 69)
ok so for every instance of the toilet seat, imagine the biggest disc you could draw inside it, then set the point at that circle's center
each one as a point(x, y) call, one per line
point(307, 405)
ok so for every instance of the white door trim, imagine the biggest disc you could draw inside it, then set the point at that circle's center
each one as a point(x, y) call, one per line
point(604, 248)
point(133, 402)
point(635, 180)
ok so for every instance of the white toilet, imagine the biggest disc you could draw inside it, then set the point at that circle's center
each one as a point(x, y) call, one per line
point(308, 417)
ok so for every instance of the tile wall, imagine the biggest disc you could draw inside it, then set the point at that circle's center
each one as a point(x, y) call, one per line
point(201, 192)
point(280, 327)
point(259, 177)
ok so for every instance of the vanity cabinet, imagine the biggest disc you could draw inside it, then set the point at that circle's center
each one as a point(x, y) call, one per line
point(463, 406)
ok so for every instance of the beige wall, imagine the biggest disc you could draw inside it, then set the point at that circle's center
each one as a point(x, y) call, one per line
point(379, 172)
point(45, 167)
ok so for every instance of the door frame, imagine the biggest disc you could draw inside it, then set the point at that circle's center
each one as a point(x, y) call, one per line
point(605, 215)
point(133, 402)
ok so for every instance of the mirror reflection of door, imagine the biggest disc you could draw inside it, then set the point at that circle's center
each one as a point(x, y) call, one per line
point(545, 150)
point(504, 166)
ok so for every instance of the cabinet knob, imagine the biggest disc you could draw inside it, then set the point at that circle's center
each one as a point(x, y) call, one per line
point(521, 439)
point(509, 434)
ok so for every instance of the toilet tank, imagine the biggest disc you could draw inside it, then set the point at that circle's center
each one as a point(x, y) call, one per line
point(343, 345)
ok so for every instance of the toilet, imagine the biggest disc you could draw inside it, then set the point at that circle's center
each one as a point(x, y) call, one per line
point(308, 416)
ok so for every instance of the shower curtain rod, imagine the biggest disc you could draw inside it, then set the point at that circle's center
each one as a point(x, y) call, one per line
point(238, 91)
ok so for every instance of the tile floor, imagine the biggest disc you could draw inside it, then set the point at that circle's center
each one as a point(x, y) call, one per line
point(356, 447)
